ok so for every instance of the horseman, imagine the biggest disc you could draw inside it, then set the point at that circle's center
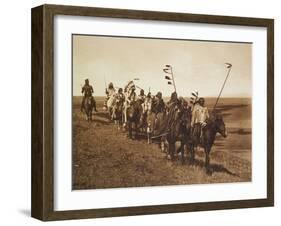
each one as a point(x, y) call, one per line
point(118, 105)
point(130, 97)
point(110, 90)
point(110, 99)
point(147, 103)
point(146, 108)
point(141, 96)
point(158, 104)
point(87, 91)
point(120, 98)
point(200, 115)
point(173, 102)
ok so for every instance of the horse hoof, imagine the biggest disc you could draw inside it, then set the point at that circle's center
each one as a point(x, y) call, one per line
point(209, 172)
point(191, 162)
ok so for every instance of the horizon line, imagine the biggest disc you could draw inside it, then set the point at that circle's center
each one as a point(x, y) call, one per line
point(179, 96)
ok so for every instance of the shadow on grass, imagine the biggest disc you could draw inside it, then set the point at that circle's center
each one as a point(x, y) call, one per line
point(241, 132)
point(213, 167)
point(102, 114)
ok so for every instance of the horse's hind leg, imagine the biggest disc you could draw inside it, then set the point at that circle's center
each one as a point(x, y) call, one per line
point(192, 153)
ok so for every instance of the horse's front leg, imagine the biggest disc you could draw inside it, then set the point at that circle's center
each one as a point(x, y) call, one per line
point(172, 150)
point(130, 129)
point(192, 153)
point(207, 160)
point(91, 114)
point(137, 130)
point(182, 152)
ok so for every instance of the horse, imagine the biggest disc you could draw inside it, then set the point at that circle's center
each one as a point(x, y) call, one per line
point(174, 127)
point(153, 124)
point(117, 113)
point(214, 125)
point(88, 107)
point(134, 112)
point(179, 131)
point(185, 131)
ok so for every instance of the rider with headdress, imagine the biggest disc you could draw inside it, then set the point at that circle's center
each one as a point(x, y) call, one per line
point(87, 91)
point(130, 97)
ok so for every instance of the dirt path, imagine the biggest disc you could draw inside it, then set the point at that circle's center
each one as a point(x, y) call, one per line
point(105, 158)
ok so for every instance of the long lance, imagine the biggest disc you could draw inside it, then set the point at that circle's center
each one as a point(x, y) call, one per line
point(229, 66)
point(173, 79)
point(105, 83)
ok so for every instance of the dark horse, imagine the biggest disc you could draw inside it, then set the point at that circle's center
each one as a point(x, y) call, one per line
point(134, 112)
point(153, 123)
point(180, 131)
point(88, 106)
point(214, 125)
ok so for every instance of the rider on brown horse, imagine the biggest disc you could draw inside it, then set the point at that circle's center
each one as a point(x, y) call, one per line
point(200, 115)
point(87, 91)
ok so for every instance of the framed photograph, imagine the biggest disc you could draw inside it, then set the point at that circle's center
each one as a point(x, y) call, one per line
point(141, 112)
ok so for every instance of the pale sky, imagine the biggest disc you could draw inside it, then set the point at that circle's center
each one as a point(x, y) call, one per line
point(197, 65)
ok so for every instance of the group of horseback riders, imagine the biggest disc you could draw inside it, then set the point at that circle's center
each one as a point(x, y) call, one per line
point(177, 120)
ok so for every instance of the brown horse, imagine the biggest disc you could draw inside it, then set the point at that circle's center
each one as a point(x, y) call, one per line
point(179, 131)
point(214, 125)
point(175, 127)
point(88, 106)
point(153, 124)
point(134, 112)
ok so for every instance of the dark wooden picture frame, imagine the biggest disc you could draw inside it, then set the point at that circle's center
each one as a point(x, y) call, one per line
point(42, 203)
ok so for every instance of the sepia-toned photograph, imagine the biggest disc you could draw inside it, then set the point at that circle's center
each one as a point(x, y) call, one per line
point(159, 112)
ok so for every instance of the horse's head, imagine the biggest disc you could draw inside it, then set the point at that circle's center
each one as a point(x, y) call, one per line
point(219, 125)
point(130, 111)
point(88, 102)
point(134, 110)
point(150, 120)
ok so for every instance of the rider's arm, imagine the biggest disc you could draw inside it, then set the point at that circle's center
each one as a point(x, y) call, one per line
point(193, 118)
